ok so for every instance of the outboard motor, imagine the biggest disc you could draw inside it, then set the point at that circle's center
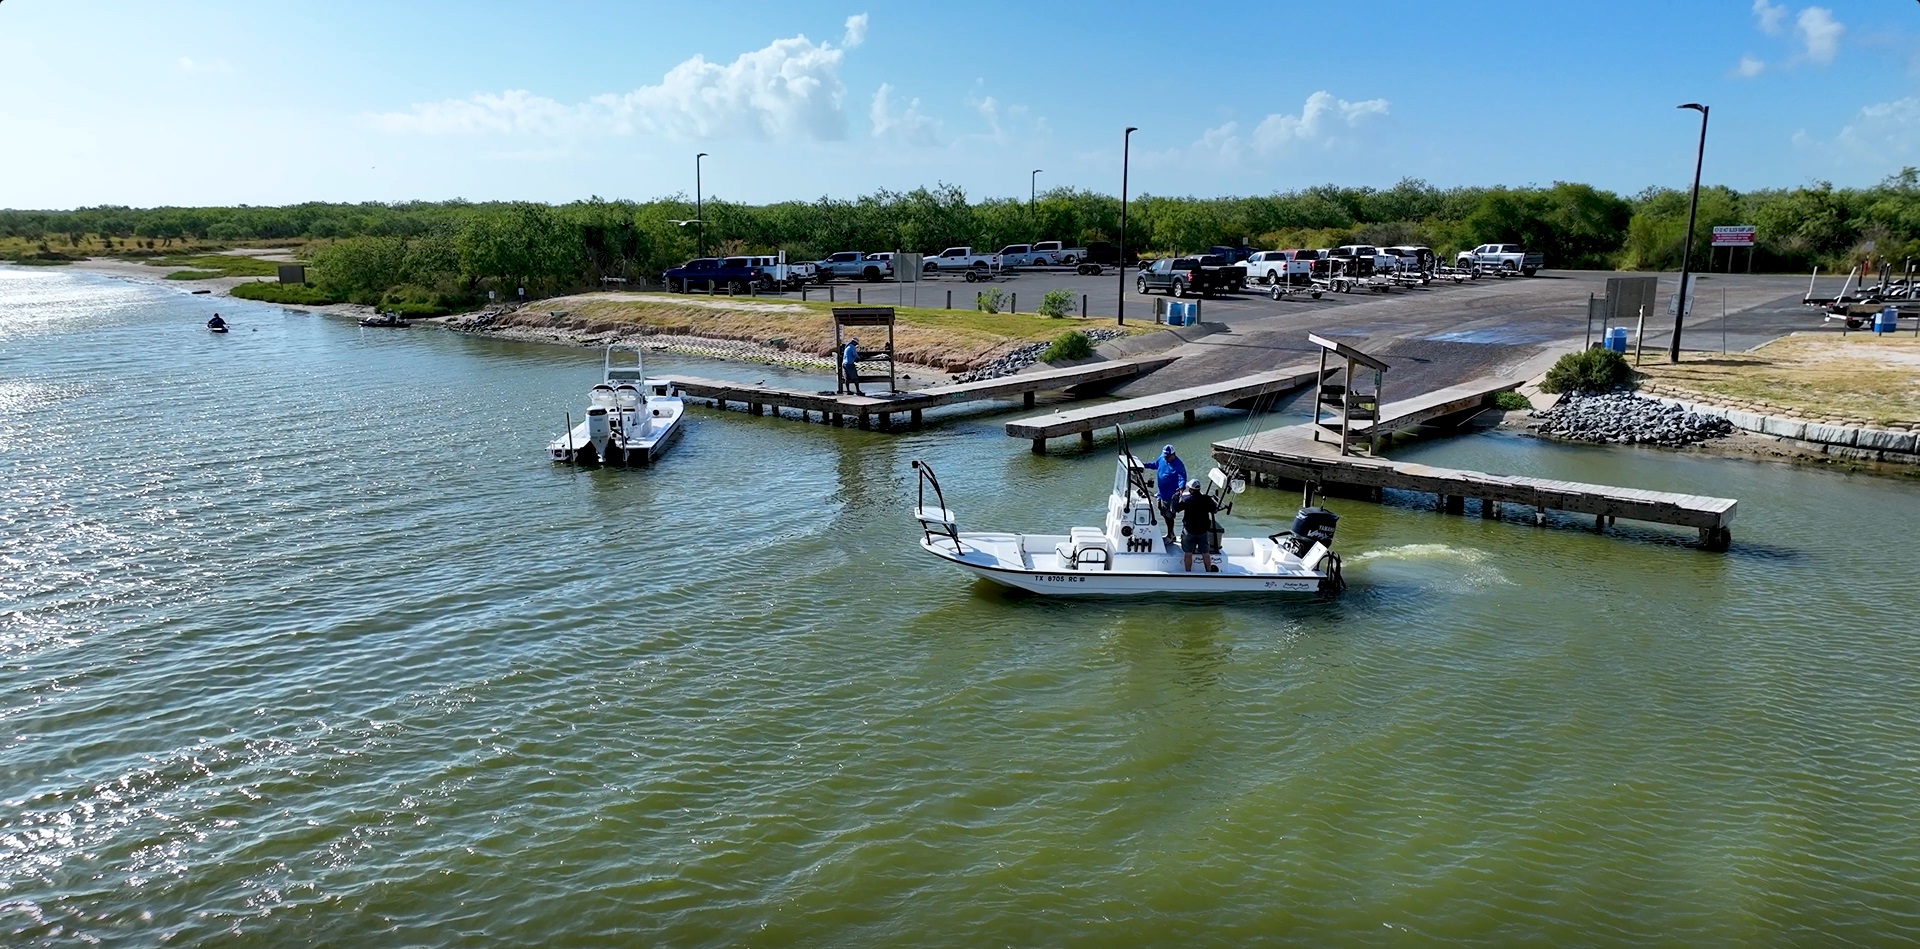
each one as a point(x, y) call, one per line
point(1312, 525)
point(599, 430)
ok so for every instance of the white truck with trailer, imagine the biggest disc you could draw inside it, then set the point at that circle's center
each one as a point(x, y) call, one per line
point(854, 263)
point(962, 259)
point(1060, 253)
point(1500, 260)
point(1276, 267)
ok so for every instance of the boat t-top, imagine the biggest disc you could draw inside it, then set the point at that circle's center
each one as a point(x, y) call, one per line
point(1127, 553)
point(630, 420)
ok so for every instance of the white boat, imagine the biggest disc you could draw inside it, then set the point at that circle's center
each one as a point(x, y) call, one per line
point(1127, 555)
point(631, 419)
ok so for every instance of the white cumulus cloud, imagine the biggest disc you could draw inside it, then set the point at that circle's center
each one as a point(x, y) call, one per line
point(1749, 67)
point(1769, 15)
point(1821, 33)
point(908, 125)
point(788, 90)
point(1320, 119)
point(856, 31)
point(1886, 134)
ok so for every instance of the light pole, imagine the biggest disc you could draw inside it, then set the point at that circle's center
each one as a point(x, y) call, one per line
point(699, 213)
point(1686, 248)
point(1031, 220)
point(1126, 143)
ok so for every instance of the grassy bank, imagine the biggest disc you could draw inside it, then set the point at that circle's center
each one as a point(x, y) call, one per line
point(1859, 376)
point(296, 294)
point(947, 339)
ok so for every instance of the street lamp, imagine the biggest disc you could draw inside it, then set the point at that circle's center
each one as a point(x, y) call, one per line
point(1686, 248)
point(699, 214)
point(1126, 144)
point(1031, 192)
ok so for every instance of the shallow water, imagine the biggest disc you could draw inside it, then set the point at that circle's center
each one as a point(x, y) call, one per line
point(305, 643)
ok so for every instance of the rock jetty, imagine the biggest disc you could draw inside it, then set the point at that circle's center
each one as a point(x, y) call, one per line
point(1627, 419)
point(1026, 356)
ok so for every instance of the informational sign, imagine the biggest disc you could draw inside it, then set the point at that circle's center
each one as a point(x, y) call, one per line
point(906, 267)
point(1693, 291)
point(1734, 235)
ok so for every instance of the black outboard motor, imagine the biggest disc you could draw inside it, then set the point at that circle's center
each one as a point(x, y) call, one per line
point(1311, 525)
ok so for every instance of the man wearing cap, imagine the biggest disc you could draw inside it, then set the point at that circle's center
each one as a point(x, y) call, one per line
point(1196, 509)
point(1170, 475)
point(850, 365)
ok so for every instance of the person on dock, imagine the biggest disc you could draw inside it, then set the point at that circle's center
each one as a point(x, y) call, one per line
point(1170, 474)
point(216, 322)
point(1197, 509)
point(850, 365)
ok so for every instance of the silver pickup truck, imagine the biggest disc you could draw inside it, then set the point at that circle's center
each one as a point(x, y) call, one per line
point(1500, 259)
point(853, 263)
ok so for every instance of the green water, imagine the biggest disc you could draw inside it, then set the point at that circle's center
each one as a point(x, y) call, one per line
point(305, 644)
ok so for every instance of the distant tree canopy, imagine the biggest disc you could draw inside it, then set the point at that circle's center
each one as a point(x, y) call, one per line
point(455, 250)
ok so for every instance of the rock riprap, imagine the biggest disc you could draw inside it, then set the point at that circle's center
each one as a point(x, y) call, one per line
point(1026, 356)
point(1627, 419)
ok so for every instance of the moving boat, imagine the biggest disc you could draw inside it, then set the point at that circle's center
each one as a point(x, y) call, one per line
point(216, 329)
point(389, 319)
point(1127, 555)
point(631, 419)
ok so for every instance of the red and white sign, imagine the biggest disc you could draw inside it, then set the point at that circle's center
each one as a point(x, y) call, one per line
point(1737, 235)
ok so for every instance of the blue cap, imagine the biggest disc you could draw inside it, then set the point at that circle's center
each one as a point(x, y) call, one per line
point(1166, 449)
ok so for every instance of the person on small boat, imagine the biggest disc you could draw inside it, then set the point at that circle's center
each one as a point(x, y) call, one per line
point(216, 322)
point(850, 365)
point(1170, 473)
point(1196, 509)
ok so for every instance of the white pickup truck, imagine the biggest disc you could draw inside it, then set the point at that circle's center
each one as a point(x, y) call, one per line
point(1060, 253)
point(961, 259)
point(1024, 255)
point(853, 263)
point(1500, 258)
point(1274, 267)
point(776, 272)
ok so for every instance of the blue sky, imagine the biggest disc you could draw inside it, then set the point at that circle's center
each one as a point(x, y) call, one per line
point(189, 102)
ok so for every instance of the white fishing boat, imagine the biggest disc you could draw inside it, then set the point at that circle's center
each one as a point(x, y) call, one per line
point(630, 420)
point(1128, 554)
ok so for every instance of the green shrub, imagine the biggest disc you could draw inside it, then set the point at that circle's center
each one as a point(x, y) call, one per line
point(1072, 344)
point(1589, 370)
point(298, 294)
point(194, 275)
point(1511, 401)
point(1057, 303)
point(990, 301)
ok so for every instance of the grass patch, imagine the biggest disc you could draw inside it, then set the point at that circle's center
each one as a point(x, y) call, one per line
point(1823, 374)
point(1070, 345)
point(948, 339)
point(298, 294)
point(194, 275)
point(1589, 370)
point(218, 265)
point(1511, 401)
point(37, 261)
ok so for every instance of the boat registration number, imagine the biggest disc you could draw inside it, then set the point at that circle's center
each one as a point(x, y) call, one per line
point(1055, 578)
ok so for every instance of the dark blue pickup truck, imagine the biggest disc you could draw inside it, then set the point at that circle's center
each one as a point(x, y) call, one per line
point(733, 274)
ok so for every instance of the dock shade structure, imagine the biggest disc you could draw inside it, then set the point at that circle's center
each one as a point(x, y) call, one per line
point(849, 322)
point(1355, 406)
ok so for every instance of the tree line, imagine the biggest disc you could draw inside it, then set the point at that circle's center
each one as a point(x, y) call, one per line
point(448, 253)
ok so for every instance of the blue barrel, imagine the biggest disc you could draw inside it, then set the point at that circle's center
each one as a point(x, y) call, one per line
point(1617, 339)
point(1886, 321)
point(1177, 312)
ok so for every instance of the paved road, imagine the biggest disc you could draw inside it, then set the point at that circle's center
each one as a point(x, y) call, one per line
point(1433, 336)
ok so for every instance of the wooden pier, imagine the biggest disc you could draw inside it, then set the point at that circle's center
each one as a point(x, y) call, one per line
point(1085, 421)
point(1292, 454)
point(837, 409)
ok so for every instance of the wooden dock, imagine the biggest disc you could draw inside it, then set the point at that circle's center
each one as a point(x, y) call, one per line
point(836, 409)
point(1085, 421)
point(1292, 454)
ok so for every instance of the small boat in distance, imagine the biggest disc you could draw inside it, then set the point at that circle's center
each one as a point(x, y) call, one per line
point(216, 325)
point(1128, 555)
point(631, 419)
point(389, 319)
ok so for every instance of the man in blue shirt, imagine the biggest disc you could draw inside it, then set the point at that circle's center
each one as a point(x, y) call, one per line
point(1170, 477)
point(850, 365)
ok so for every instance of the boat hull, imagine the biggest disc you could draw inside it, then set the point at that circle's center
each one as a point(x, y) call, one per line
point(1129, 575)
point(576, 447)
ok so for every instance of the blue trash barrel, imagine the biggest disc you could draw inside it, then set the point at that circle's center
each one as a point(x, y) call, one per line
point(1886, 321)
point(1617, 339)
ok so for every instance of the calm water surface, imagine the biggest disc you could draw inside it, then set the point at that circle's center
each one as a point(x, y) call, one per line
point(304, 643)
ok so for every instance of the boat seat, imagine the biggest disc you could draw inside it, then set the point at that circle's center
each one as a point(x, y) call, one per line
point(1085, 546)
point(933, 515)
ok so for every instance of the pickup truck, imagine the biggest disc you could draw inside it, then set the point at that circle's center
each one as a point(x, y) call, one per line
point(1232, 254)
point(1179, 276)
point(1229, 274)
point(1500, 258)
point(734, 274)
point(1024, 255)
point(1356, 260)
point(960, 259)
point(853, 263)
point(1062, 254)
point(1274, 267)
point(776, 272)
